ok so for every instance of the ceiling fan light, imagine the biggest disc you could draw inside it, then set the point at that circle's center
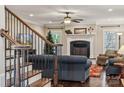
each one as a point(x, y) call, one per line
point(67, 20)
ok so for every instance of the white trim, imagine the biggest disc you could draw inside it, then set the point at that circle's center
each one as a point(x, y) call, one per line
point(2, 80)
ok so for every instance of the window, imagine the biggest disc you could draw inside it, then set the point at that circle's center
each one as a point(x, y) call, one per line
point(110, 40)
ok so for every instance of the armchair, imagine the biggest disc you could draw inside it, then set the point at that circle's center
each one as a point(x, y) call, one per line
point(101, 59)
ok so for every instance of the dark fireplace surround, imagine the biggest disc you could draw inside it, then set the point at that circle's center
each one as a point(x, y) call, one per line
point(80, 48)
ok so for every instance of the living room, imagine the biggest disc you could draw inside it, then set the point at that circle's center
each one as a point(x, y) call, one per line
point(86, 40)
point(92, 28)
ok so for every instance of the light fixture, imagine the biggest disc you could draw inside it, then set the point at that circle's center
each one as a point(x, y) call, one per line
point(50, 22)
point(67, 20)
point(110, 10)
point(109, 19)
point(119, 34)
point(31, 15)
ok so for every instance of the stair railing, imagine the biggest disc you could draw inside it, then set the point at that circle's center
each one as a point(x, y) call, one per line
point(15, 78)
point(21, 32)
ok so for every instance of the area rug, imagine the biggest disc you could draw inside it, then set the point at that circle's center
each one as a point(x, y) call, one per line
point(95, 70)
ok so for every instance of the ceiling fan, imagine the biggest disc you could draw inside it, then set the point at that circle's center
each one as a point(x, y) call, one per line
point(68, 19)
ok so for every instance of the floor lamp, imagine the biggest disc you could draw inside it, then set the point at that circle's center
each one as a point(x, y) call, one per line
point(119, 37)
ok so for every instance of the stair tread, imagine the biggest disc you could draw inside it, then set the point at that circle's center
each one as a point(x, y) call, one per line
point(9, 49)
point(9, 57)
point(40, 83)
point(12, 66)
point(24, 77)
point(122, 81)
point(31, 74)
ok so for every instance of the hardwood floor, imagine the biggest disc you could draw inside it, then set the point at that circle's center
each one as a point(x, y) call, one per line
point(93, 82)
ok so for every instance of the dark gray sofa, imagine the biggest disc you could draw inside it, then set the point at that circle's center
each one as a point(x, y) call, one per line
point(73, 68)
point(111, 69)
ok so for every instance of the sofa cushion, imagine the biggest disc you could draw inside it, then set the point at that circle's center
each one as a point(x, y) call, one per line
point(73, 59)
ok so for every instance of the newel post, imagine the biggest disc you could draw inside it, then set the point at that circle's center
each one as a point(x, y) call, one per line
point(55, 75)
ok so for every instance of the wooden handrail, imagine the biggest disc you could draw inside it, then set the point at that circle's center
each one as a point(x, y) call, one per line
point(37, 33)
point(11, 40)
point(4, 34)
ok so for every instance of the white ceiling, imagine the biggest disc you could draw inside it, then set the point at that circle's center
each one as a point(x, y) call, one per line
point(90, 13)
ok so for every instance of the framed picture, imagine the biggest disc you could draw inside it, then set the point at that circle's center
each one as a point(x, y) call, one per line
point(80, 30)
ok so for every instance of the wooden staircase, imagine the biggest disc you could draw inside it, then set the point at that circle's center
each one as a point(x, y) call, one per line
point(21, 41)
point(33, 77)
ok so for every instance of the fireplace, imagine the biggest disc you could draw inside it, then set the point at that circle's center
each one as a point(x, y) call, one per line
point(80, 48)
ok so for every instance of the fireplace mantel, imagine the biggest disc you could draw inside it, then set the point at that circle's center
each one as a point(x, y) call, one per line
point(87, 37)
point(74, 35)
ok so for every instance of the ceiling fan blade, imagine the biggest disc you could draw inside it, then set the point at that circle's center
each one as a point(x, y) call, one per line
point(75, 21)
point(65, 12)
point(62, 23)
point(78, 19)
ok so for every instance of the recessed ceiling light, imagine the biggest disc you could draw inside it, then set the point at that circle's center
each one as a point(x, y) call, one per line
point(109, 19)
point(31, 15)
point(50, 22)
point(110, 9)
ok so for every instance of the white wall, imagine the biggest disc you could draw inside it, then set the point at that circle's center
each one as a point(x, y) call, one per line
point(98, 32)
point(2, 47)
point(38, 28)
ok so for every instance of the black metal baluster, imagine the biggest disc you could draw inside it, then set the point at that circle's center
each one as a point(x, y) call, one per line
point(35, 63)
point(45, 64)
point(6, 25)
point(18, 74)
point(15, 68)
point(34, 49)
point(27, 66)
point(41, 63)
point(26, 51)
point(22, 69)
point(24, 64)
point(10, 56)
point(38, 54)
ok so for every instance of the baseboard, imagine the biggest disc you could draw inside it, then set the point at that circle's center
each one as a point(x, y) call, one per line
point(92, 58)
